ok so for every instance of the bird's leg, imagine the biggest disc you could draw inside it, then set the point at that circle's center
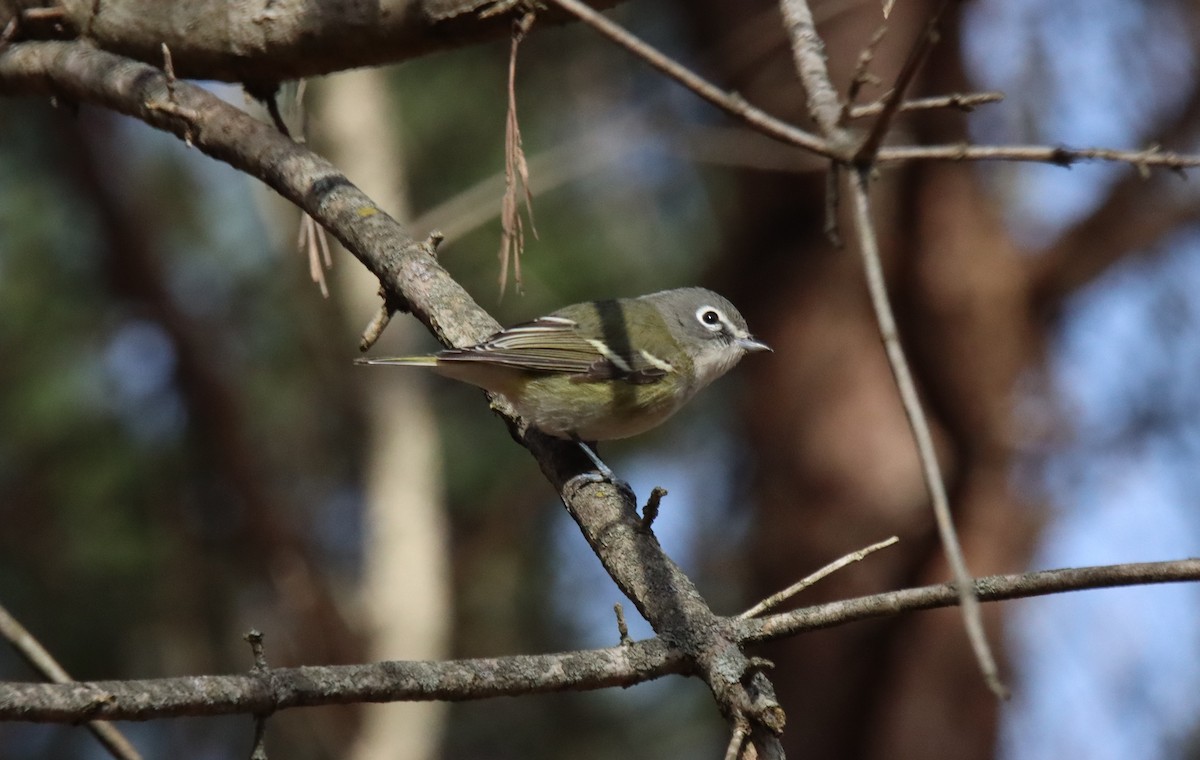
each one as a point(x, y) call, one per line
point(603, 472)
point(603, 469)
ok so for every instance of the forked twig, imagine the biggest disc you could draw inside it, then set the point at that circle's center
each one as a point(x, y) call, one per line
point(891, 102)
point(780, 130)
point(805, 49)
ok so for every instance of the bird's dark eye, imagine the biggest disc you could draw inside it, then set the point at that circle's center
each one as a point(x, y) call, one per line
point(712, 319)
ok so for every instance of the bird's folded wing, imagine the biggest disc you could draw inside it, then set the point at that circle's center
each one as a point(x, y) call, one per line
point(554, 344)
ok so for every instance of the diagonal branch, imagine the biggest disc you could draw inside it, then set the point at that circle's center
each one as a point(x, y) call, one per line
point(410, 275)
point(869, 248)
point(809, 55)
point(43, 662)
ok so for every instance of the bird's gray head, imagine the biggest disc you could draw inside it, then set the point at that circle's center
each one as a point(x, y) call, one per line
point(709, 328)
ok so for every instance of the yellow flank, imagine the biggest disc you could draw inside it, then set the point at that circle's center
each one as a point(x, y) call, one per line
point(596, 411)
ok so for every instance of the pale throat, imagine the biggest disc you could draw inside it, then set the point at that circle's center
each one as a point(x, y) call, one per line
point(709, 365)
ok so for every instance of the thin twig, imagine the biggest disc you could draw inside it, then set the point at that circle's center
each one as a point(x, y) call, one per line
point(869, 249)
point(833, 198)
point(778, 598)
point(730, 103)
point(1046, 154)
point(31, 650)
point(259, 749)
point(891, 101)
point(375, 327)
point(622, 626)
point(965, 102)
point(862, 75)
point(741, 730)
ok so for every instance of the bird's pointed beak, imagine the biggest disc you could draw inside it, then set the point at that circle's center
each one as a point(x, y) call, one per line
point(752, 344)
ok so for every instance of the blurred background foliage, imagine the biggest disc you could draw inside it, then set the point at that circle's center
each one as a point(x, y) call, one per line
point(182, 433)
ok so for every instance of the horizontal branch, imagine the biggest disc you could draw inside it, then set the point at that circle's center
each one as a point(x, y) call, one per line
point(458, 680)
point(1044, 154)
point(271, 690)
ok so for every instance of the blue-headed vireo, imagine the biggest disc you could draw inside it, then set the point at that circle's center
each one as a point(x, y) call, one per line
point(601, 370)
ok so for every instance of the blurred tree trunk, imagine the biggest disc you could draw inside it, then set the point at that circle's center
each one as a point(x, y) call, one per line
point(406, 586)
point(836, 463)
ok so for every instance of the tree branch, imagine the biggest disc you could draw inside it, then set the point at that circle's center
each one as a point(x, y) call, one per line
point(991, 588)
point(869, 248)
point(607, 515)
point(251, 42)
point(271, 689)
point(777, 129)
point(732, 104)
point(622, 665)
point(808, 53)
point(707, 644)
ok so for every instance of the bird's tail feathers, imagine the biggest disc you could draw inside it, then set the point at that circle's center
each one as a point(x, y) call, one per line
point(408, 361)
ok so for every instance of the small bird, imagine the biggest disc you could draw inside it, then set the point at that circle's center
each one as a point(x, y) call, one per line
point(601, 370)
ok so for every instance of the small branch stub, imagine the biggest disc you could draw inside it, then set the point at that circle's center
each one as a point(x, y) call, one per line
point(650, 511)
point(622, 626)
point(259, 748)
point(255, 638)
point(375, 327)
point(432, 242)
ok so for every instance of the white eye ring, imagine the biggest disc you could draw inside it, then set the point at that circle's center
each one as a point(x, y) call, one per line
point(711, 318)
